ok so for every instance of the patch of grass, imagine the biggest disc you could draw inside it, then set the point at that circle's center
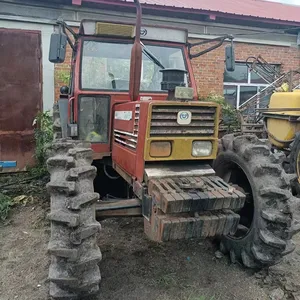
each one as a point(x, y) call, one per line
point(38, 171)
point(167, 280)
point(5, 206)
point(192, 296)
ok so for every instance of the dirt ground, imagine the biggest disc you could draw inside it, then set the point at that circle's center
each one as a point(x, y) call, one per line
point(134, 268)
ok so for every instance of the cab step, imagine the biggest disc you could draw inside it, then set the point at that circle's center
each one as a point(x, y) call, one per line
point(194, 194)
point(163, 228)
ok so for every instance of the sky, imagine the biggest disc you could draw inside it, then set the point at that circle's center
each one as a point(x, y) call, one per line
point(295, 2)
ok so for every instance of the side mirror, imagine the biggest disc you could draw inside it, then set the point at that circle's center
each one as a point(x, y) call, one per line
point(230, 58)
point(57, 51)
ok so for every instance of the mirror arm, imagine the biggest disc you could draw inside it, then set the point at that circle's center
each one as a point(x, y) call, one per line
point(220, 39)
point(75, 35)
point(63, 26)
point(70, 42)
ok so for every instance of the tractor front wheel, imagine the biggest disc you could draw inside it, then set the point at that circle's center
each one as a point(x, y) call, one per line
point(266, 223)
point(74, 272)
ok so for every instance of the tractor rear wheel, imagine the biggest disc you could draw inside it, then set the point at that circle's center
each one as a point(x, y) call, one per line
point(74, 271)
point(266, 223)
point(294, 157)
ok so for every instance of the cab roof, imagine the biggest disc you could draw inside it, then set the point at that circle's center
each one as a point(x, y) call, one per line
point(125, 30)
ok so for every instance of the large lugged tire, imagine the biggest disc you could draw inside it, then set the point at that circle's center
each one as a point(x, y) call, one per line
point(269, 217)
point(57, 132)
point(74, 271)
point(294, 156)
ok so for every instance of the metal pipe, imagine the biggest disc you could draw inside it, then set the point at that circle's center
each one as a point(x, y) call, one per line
point(119, 208)
point(136, 57)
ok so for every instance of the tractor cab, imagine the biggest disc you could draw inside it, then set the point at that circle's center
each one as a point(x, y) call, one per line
point(101, 74)
point(102, 71)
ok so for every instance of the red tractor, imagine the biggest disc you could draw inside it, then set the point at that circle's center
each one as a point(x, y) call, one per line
point(131, 110)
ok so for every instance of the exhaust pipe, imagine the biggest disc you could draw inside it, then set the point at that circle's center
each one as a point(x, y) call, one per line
point(136, 57)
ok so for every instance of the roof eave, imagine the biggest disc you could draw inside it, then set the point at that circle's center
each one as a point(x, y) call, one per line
point(212, 13)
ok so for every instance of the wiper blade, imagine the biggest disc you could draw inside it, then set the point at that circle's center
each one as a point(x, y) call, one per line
point(151, 56)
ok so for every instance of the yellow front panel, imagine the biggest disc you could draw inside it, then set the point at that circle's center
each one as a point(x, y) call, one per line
point(203, 127)
point(181, 149)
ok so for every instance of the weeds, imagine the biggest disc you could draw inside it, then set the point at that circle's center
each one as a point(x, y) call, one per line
point(167, 280)
point(38, 171)
point(230, 121)
point(43, 135)
point(5, 206)
point(192, 296)
point(63, 76)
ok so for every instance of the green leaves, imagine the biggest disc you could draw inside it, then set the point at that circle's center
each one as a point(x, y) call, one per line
point(5, 206)
point(43, 134)
point(63, 76)
point(230, 121)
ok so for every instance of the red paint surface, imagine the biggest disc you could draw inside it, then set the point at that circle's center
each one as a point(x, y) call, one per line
point(118, 98)
point(125, 125)
point(132, 160)
point(140, 163)
point(248, 8)
point(124, 158)
point(20, 94)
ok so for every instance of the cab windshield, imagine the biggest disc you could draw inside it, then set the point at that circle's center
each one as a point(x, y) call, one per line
point(106, 66)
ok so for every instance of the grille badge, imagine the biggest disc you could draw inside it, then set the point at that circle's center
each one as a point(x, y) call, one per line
point(184, 117)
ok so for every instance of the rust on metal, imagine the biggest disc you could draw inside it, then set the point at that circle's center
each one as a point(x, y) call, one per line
point(21, 94)
point(136, 57)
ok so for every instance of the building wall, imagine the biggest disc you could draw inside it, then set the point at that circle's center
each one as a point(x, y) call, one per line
point(209, 68)
point(275, 46)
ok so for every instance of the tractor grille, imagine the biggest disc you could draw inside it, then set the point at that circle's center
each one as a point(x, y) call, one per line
point(164, 121)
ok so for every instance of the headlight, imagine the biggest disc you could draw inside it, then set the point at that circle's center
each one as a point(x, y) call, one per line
point(202, 148)
point(160, 149)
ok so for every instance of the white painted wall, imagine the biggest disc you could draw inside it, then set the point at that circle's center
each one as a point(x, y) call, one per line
point(47, 67)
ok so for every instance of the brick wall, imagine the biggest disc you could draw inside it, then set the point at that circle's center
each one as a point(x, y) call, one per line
point(209, 68)
point(62, 71)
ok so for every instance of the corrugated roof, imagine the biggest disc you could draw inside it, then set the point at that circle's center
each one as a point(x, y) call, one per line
point(249, 8)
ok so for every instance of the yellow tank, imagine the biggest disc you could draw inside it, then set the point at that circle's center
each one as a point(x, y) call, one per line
point(282, 125)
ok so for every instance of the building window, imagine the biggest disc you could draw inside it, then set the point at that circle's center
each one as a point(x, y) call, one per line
point(242, 84)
